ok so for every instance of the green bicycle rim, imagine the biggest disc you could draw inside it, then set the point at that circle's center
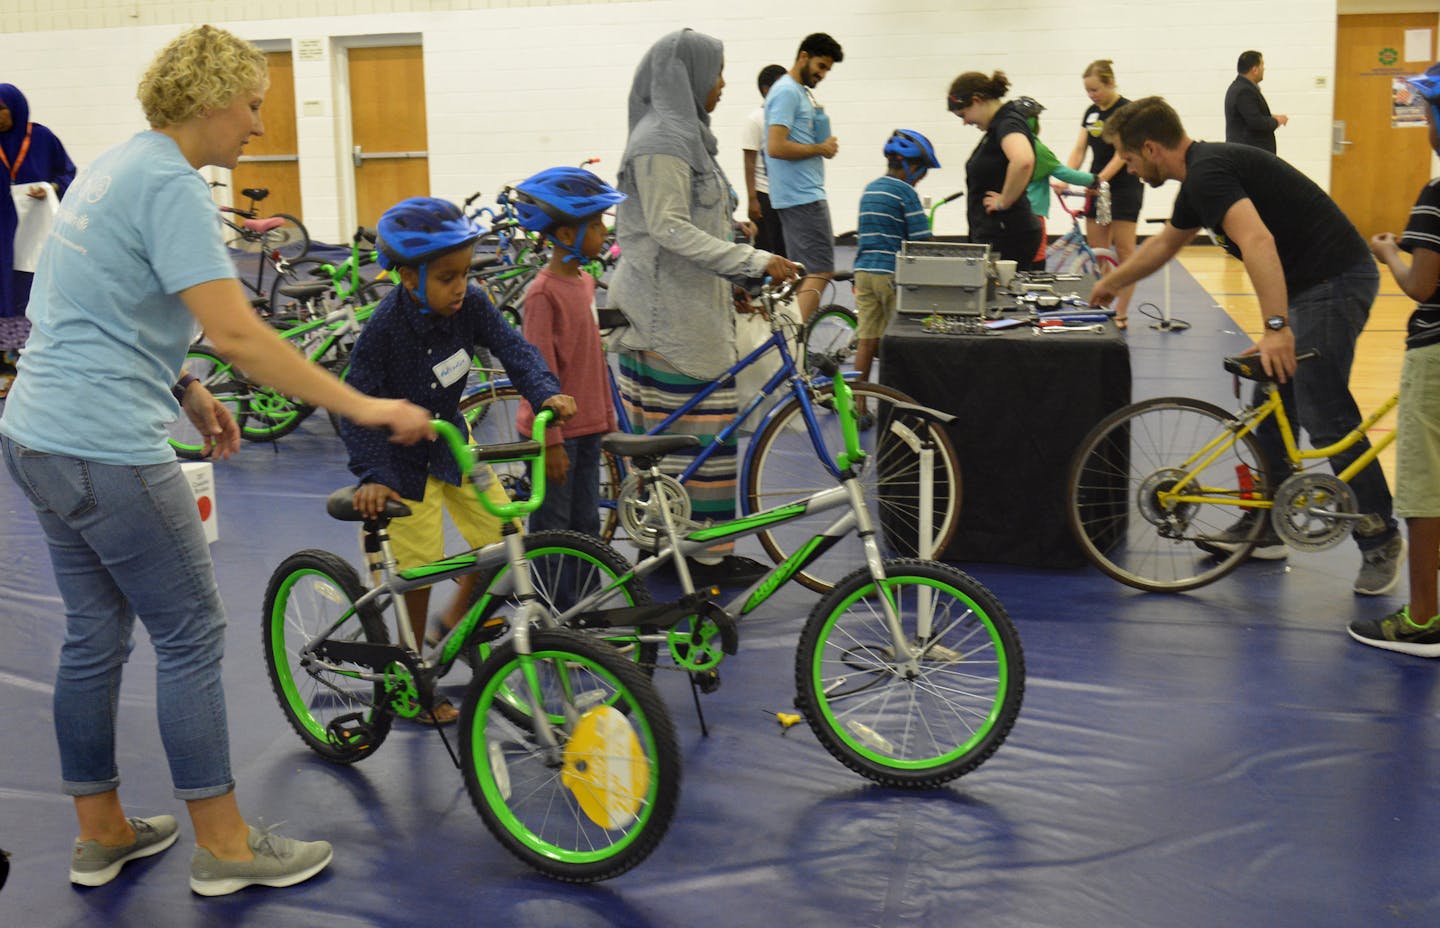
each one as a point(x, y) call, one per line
point(278, 658)
point(886, 760)
point(498, 803)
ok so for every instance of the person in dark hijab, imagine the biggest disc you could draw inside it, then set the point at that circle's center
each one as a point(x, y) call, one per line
point(31, 157)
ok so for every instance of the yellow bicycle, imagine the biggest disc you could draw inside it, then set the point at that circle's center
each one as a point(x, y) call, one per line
point(1154, 481)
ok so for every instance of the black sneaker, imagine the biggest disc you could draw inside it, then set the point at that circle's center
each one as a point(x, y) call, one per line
point(733, 569)
point(1396, 632)
point(1268, 547)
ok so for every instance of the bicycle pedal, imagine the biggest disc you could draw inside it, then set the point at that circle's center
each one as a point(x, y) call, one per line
point(707, 681)
point(351, 731)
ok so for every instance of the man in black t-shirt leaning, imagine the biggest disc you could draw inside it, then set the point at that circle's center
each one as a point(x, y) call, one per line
point(1315, 281)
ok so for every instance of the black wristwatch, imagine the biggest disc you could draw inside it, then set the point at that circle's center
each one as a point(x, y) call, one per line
point(178, 391)
point(1276, 323)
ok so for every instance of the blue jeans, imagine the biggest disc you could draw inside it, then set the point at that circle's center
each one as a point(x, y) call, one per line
point(127, 541)
point(1329, 317)
point(574, 504)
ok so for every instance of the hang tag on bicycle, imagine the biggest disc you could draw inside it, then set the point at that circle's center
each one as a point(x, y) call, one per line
point(1102, 204)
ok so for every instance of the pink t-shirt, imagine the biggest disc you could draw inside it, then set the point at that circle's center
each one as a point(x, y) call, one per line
point(560, 321)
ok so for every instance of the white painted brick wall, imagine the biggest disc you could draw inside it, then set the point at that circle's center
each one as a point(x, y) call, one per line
point(516, 85)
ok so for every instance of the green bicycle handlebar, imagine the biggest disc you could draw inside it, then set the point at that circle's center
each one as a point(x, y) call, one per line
point(514, 451)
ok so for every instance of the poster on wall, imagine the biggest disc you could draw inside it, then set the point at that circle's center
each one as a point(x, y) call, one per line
point(1407, 108)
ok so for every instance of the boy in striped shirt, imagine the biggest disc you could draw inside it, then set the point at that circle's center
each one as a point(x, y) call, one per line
point(890, 213)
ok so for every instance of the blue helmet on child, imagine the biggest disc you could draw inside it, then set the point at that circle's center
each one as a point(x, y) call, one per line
point(564, 195)
point(911, 146)
point(415, 230)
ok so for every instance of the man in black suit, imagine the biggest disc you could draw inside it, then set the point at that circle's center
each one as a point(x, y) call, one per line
point(1247, 115)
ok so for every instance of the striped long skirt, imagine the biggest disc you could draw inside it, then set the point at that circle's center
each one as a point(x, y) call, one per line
point(651, 390)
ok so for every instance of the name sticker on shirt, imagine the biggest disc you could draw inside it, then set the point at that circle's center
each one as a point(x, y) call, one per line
point(453, 368)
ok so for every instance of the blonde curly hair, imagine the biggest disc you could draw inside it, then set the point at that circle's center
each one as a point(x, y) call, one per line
point(203, 69)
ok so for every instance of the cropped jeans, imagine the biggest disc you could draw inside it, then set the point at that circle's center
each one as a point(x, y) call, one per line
point(127, 541)
point(1329, 317)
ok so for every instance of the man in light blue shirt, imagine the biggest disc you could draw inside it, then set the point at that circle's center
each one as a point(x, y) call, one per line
point(797, 140)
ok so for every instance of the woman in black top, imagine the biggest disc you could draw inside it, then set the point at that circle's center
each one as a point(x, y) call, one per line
point(999, 169)
point(1126, 191)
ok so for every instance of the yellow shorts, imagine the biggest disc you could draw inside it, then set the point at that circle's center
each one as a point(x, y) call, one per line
point(874, 303)
point(419, 538)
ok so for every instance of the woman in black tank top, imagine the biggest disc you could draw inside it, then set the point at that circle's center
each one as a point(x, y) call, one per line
point(1126, 191)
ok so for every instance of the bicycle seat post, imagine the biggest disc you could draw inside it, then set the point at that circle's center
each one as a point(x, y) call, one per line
point(672, 534)
point(383, 568)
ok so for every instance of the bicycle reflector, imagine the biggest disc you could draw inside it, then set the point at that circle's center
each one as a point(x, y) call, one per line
point(605, 769)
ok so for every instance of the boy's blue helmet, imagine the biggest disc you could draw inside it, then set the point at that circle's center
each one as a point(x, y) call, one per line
point(415, 230)
point(564, 196)
point(912, 146)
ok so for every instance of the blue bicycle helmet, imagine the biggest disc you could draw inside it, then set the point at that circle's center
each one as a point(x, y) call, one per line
point(415, 230)
point(565, 196)
point(912, 146)
point(1427, 85)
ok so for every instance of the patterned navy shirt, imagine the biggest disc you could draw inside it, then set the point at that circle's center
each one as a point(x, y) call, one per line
point(405, 354)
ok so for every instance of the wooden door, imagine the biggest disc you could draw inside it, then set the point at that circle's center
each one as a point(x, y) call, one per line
point(387, 118)
point(272, 160)
point(1376, 169)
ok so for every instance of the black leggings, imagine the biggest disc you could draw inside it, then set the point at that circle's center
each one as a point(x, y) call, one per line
point(1019, 247)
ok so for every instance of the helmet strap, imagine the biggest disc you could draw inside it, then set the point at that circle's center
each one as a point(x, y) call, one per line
point(420, 293)
point(572, 251)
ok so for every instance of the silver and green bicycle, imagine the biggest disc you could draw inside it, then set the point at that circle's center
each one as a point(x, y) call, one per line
point(568, 752)
point(908, 671)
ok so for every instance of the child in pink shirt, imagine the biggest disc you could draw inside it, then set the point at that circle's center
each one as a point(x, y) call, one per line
point(566, 206)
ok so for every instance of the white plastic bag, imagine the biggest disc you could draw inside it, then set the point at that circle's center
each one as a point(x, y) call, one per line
point(751, 331)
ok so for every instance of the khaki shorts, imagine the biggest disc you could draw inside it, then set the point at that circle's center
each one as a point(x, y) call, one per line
point(419, 538)
point(874, 302)
point(1417, 444)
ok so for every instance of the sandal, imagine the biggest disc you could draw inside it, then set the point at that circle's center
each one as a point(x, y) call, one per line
point(444, 713)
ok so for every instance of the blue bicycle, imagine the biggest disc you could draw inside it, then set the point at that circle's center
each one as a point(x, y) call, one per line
point(910, 476)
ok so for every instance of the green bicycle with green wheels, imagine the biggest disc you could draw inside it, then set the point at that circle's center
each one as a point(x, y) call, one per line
point(568, 752)
point(908, 671)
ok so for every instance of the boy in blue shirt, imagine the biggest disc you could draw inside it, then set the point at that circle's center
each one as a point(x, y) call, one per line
point(417, 346)
point(890, 213)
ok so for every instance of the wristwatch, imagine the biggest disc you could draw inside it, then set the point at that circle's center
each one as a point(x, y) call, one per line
point(1276, 323)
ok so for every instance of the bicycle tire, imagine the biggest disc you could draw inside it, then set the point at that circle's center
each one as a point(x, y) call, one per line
point(1112, 481)
point(914, 727)
point(830, 333)
point(492, 413)
point(224, 384)
point(781, 468)
point(306, 594)
point(572, 827)
point(291, 240)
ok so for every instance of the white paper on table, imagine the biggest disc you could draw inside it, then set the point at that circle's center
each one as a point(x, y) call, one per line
point(36, 218)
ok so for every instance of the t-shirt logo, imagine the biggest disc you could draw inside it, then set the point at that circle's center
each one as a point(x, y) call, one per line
point(1094, 125)
point(453, 368)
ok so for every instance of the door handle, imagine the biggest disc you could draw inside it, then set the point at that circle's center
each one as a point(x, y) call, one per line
point(359, 158)
point(1338, 142)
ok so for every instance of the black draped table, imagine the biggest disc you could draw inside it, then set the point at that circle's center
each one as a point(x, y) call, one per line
point(1024, 402)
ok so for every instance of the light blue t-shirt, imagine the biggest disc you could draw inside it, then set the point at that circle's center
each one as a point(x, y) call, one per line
point(795, 183)
point(108, 331)
point(890, 213)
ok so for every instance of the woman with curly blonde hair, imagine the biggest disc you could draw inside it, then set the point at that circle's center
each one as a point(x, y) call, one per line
point(133, 267)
